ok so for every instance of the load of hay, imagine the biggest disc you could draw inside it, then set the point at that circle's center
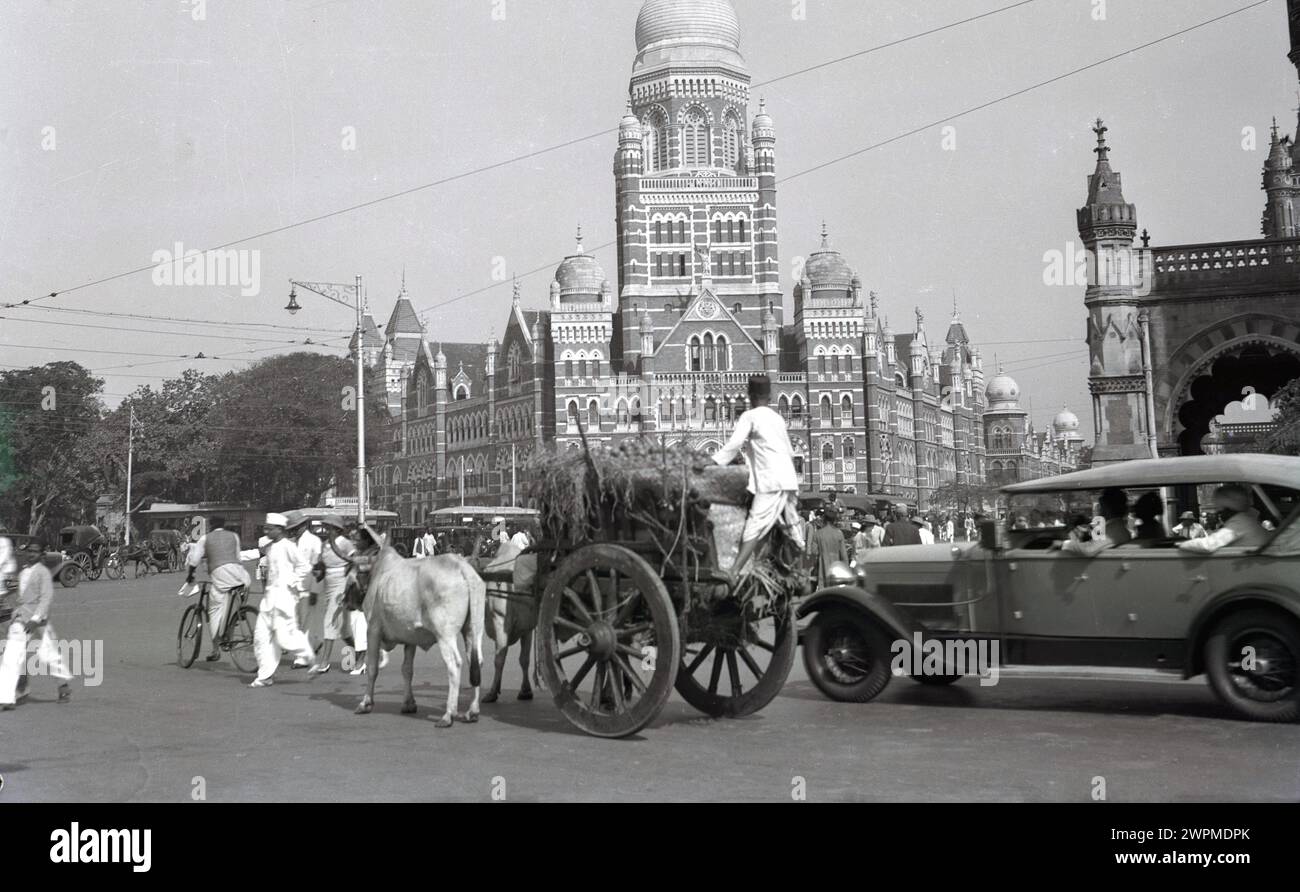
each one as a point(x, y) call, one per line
point(640, 488)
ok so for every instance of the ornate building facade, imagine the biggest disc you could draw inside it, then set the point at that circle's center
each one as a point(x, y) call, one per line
point(667, 347)
point(1176, 334)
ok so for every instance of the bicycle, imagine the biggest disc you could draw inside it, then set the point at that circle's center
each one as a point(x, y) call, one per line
point(113, 566)
point(236, 634)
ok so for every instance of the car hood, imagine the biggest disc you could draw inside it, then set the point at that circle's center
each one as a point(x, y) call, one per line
point(938, 553)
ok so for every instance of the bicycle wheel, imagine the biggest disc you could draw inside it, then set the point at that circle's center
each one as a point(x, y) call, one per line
point(190, 637)
point(239, 639)
point(113, 569)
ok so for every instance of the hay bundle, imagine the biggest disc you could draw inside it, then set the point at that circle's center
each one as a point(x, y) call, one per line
point(644, 481)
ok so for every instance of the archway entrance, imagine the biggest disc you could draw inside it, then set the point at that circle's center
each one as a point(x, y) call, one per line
point(1262, 367)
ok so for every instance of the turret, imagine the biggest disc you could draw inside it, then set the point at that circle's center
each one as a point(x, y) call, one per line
point(1282, 185)
point(771, 341)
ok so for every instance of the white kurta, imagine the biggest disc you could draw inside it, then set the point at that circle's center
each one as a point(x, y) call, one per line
point(277, 628)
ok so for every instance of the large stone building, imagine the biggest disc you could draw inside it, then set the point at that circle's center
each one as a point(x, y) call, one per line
point(666, 347)
point(1176, 334)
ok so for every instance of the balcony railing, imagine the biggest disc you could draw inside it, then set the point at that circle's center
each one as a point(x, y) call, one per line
point(707, 183)
point(1259, 258)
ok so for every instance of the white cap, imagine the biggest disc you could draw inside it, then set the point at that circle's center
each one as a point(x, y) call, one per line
point(276, 520)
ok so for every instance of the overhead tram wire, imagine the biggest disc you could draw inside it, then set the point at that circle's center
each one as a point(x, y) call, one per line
point(912, 132)
point(497, 165)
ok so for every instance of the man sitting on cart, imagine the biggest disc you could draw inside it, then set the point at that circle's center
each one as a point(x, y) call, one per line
point(761, 434)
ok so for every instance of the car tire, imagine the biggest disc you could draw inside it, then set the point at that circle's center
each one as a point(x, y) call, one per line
point(70, 575)
point(847, 655)
point(1270, 693)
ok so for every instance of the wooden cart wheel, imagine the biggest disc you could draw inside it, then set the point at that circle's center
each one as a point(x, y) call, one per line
point(609, 640)
point(733, 665)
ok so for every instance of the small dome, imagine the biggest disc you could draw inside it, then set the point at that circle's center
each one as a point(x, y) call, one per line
point(827, 266)
point(687, 31)
point(1002, 389)
point(1065, 422)
point(762, 120)
point(579, 276)
point(630, 126)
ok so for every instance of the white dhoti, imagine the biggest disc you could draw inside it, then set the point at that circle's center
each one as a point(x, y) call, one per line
point(277, 631)
point(224, 578)
point(770, 508)
point(335, 583)
point(48, 656)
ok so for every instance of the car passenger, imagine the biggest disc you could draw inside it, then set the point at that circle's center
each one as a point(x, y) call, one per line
point(1149, 510)
point(1084, 540)
point(1241, 526)
point(1114, 511)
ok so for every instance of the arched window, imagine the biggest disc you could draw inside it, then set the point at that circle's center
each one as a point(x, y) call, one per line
point(668, 307)
point(731, 142)
point(695, 357)
point(783, 407)
point(462, 392)
point(846, 409)
point(695, 141)
point(666, 411)
point(822, 360)
point(826, 410)
point(835, 363)
point(582, 368)
point(737, 308)
point(515, 365)
point(710, 359)
point(723, 362)
point(796, 408)
point(573, 414)
point(828, 452)
point(847, 448)
point(624, 417)
point(655, 130)
point(568, 368)
point(710, 410)
point(593, 415)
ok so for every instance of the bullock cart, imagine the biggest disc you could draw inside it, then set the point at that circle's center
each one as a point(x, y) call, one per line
point(628, 590)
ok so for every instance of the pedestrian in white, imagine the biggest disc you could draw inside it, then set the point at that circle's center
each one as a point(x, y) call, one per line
point(426, 545)
point(286, 578)
point(336, 554)
point(219, 547)
point(32, 617)
point(309, 546)
point(521, 539)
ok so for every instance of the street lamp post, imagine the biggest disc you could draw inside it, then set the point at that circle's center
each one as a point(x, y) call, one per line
point(337, 294)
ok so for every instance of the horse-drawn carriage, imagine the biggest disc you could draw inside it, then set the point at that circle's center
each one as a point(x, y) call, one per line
point(86, 546)
point(631, 592)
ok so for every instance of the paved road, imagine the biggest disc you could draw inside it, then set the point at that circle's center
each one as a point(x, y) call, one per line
point(150, 729)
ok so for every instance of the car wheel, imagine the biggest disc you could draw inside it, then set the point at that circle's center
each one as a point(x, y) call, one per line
point(847, 655)
point(1252, 659)
point(70, 575)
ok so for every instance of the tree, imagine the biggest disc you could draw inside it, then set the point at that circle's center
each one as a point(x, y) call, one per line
point(964, 498)
point(1285, 438)
point(288, 430)
point(49, 413)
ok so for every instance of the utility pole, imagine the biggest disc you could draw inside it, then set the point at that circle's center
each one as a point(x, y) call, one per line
point(130, 454)
point(514, 501)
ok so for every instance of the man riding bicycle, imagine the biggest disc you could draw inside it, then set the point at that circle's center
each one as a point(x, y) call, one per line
point(220, 549)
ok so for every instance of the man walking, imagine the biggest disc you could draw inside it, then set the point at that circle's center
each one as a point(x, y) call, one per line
point(32, 617)
point(828, 544)
point(309, 547)
point(427, 544)
point(219, 548)
point(277, 629)
point(901, 531)
point(336, 554)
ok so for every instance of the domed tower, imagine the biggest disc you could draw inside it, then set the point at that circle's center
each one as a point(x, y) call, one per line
point(1108, 225)
point(689, 200)
point(1006, 429)
point(1282, 185)
point(582, 332)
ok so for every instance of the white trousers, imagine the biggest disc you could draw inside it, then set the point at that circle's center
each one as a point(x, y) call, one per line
point(15, 658)
point(275, 632)
point(331, 602)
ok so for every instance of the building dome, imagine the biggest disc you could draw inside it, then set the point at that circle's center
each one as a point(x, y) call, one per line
point(1003, 390)
point(580, 276)
point(1065, 422)
point(687, 31)
point(826, 266)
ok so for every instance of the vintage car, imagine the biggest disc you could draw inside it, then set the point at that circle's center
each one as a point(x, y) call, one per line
point(65, 571)
point(1233, 615)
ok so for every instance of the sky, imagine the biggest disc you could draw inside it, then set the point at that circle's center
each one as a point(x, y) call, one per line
point(128, 128)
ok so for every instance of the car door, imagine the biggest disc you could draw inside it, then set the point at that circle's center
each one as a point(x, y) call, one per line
point(1047, 613)
point(1146, 599)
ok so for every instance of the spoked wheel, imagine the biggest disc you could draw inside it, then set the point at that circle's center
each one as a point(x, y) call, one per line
point(70, 575)
point(239, 639)
point(190, 636)
point(734, 665)
point(609, 640)
point(113, 568)
point(847, 655)
point(87, 565)
point(1253, 662)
